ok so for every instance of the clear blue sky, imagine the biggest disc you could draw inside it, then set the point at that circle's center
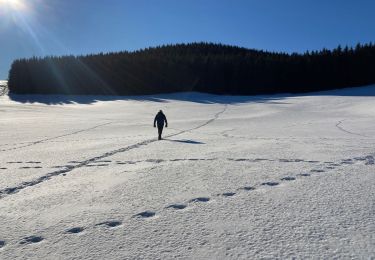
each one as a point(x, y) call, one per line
point(56, 27)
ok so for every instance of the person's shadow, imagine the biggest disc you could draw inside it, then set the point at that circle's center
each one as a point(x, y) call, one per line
point(185, 141)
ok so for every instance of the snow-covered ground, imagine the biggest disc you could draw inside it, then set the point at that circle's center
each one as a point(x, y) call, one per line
point(3, 87)
point(235, 177)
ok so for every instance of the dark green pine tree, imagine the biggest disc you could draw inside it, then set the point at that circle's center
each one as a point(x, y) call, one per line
point(204, 67)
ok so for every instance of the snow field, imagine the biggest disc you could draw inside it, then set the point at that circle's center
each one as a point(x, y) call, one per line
point(236, 178)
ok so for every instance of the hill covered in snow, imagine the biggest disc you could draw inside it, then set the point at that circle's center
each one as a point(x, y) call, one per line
point(244, 177)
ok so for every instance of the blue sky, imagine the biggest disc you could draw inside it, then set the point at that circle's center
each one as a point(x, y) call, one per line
point(56, 27)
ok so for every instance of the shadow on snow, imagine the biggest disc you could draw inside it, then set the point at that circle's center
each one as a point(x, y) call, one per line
point(184, 141)
point(161, 98)
point(187, 96)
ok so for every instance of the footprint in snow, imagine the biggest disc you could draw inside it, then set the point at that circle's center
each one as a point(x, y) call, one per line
point(270, 183)
point(247, 188)
point(74, 230)
point(347, 161)
point(317, 170)
point(176, 206)
point(200, 199)
point(261, 159)
point(110, 224)
point(131, 162)
point(145, 214)
point(2, 243)
point(176, 160)
point(288, 178)
point(154, 160)
point(228, 194)
point(3, 168)
point(10, 190)
point(334, 164)
point(241, 160)
point(31, 240)
point(285, 160)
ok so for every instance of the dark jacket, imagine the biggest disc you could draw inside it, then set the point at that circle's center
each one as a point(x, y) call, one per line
point(160, 118)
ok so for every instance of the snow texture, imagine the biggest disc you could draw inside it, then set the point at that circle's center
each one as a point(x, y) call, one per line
point(3, 87)
point(288, 176)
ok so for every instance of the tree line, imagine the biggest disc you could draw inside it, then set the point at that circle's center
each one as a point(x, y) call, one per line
point(203, 67)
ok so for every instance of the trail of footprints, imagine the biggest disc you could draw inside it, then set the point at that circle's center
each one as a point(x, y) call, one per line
point(148, 214)
point(103, 163)
point(328, 165)
point(27, 165)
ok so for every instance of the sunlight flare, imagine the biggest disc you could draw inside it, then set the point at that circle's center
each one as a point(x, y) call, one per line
point(13, 5)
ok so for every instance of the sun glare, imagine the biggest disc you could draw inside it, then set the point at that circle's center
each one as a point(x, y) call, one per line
point(13, 5)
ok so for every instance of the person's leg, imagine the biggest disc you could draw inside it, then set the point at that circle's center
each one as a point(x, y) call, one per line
point(160, 131)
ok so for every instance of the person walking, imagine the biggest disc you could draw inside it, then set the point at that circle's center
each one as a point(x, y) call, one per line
point(159, 120)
